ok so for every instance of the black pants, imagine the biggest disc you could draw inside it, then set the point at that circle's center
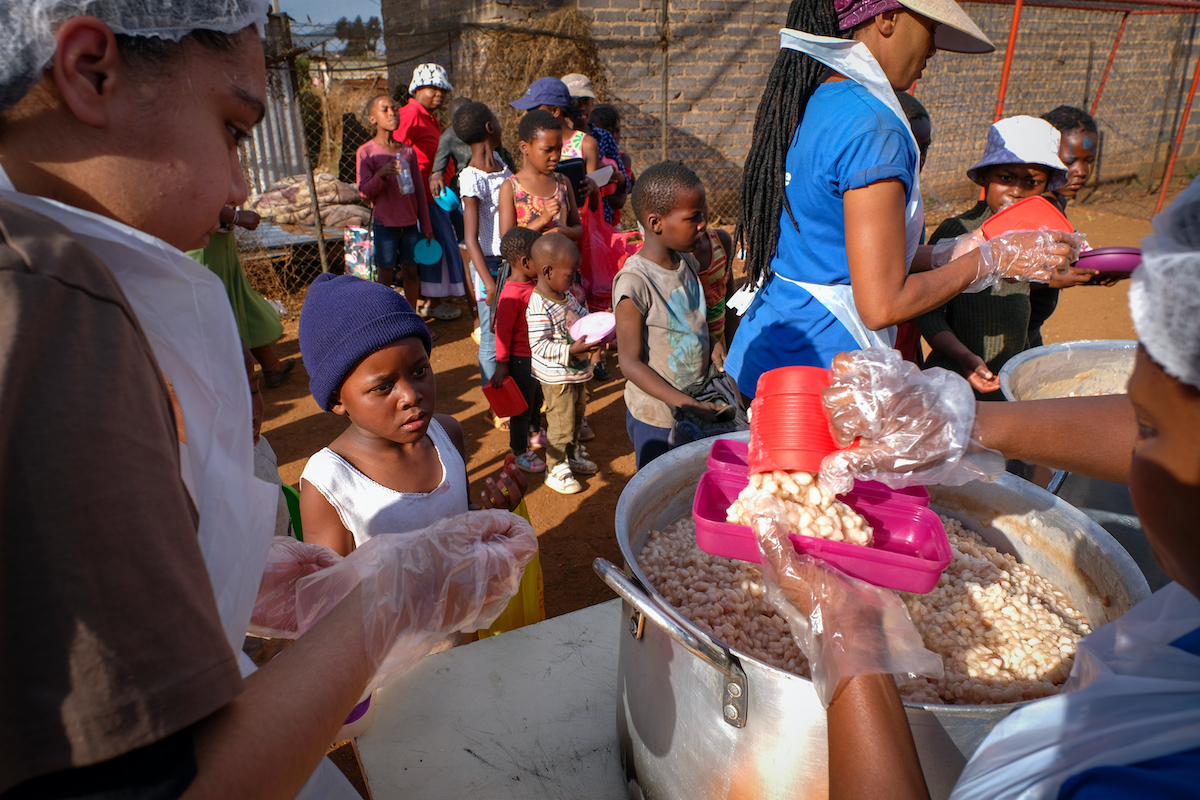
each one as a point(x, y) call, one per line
point(521, 370)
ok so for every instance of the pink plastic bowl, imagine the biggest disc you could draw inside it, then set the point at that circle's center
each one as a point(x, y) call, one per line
point(909, 553)
point(730, 455)
point(1113, 262)
point(599, 326)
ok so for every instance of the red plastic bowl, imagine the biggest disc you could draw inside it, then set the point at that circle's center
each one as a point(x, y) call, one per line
point(1112, 262)
point(507, 401)
point(1030, 214)
point(789, 429)
point(909, 552)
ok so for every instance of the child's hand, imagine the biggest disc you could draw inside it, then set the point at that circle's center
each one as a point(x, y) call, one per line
point(982, 379)
point(437, 184)
point(705, 411)
point(389, 169)
point(551, 209)
point(500, 374)
point(507, 491)
point(1074, 276)
point(489, 289)
point(583, 346)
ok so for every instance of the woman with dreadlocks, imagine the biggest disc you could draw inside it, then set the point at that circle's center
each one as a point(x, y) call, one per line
point(830, 190)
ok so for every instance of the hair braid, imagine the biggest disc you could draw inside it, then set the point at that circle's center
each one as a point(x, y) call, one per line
point(790, 85)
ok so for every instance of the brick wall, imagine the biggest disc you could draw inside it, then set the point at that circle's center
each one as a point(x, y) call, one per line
point(720, 52)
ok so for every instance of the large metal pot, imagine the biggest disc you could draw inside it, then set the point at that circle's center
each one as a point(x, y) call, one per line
point(1088, 366)
point(697, 720)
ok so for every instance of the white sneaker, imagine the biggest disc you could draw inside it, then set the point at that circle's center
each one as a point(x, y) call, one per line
point(561, 480)
point(581, 463)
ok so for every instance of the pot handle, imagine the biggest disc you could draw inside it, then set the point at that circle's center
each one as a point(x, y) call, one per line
point(734, 699)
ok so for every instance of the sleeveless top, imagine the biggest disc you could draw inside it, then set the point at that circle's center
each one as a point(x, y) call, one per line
point(529, 206)
point(714, 280)
point(368, 509)
point(573, 147)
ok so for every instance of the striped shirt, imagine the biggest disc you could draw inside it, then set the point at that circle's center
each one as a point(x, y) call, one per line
point(550, 340)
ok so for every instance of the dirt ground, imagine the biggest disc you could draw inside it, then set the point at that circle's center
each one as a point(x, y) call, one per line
point(575, 529)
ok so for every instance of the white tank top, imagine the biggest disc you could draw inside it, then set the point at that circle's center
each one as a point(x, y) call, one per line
point(368, 509)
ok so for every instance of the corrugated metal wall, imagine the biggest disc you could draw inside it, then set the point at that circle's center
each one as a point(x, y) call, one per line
point(276, 147)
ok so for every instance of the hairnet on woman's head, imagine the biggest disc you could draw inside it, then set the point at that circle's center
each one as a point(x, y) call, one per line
point(27, 29)
point(1164, 295)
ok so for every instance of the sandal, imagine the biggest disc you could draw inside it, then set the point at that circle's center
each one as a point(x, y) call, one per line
point(446, 312)
point(274, 380)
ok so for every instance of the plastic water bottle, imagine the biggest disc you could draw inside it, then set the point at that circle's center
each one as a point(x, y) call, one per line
point(404, 175)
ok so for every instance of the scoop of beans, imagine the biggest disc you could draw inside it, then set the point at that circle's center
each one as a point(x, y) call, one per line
point(1004, 633)
point(808, 508)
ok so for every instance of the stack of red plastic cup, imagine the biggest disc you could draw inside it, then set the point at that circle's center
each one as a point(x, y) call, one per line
point(789, 429)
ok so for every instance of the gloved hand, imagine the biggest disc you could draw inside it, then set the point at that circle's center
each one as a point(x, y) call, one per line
point(1018, 255)
point(914, 426)
point(844, 626)
point(288, 561)
point(418, 587)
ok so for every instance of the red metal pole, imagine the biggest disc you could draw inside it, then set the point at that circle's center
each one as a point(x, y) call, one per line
point(1089, 7)
point(1008, 58)
point(1108, 66)
point(1187, 112)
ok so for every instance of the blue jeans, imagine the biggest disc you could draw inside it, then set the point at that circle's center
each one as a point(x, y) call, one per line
point(649, 441)
point(487, 337)
point(394, 246)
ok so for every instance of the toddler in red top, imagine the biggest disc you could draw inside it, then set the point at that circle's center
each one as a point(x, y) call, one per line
point(389, 177)
point(513, 355)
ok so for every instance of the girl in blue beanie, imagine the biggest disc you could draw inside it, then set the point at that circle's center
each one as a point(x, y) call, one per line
point(398, 467)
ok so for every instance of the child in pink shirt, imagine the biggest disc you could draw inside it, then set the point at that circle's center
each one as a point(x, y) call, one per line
point(390, 178)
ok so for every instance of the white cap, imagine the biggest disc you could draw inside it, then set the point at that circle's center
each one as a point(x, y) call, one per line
point(1023, 140)
point(956, 32)
point(27, 29)
point(1164, 295)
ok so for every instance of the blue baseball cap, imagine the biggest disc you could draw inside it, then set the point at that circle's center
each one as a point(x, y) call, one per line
point(544, 92)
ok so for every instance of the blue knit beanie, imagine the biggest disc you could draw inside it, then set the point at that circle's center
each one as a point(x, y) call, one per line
point(343, 321)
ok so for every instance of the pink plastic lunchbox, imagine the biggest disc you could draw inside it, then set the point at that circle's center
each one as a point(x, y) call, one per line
point(731, 455)
point(909, 552)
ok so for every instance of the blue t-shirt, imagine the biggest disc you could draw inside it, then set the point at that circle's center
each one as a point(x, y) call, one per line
point(847, 140)
point(1172, 776)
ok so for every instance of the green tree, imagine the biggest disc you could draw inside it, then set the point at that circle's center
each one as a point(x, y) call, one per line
point(360, 37)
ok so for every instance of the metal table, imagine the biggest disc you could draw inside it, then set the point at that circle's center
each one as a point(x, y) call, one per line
point(527, 714)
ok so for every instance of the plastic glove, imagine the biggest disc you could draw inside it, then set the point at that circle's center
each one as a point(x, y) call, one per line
point(1018, 255)
point(844, 626)
point(914, 426)
point(418, 587)
point(288, 561)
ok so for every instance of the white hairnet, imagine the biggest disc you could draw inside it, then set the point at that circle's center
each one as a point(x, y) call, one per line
point(27, 29)
point(1164, 296)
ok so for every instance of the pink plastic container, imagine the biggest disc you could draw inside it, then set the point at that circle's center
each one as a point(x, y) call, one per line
point(598, 326)
point(909, 553)
point(507, 401)
point(729, 455)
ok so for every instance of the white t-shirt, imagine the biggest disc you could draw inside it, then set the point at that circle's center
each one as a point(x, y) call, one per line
point(485, 186)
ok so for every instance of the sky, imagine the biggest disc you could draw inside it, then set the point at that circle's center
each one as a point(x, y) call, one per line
point(330, 10)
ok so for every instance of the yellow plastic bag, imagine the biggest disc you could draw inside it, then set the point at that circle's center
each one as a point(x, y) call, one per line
point(529, 603)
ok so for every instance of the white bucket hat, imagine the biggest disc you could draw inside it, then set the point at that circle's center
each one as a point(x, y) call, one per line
point(1023, 140)
point(430, 75)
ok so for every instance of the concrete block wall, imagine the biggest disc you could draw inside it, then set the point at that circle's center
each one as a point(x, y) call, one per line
point(721, 51)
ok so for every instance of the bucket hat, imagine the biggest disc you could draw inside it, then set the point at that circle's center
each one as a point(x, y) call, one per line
point(1022, 140)
point(430, 75)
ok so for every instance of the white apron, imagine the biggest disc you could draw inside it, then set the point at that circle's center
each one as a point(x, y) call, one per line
point(854, 60)
point(184, 311)
point(1131, 697)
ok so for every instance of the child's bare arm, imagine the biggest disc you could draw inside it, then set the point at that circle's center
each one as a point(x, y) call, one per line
point(571, 227)
point(970, 365)
point(630, 322)
point(507, 208)
point(321, 522)
point(474, 249)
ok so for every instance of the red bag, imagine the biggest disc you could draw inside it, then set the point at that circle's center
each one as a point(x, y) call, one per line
point(599, 262)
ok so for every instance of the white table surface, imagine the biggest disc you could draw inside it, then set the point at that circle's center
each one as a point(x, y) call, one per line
point(527, 714)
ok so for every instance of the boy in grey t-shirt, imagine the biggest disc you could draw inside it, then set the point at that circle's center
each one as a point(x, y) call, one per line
point(662, 336)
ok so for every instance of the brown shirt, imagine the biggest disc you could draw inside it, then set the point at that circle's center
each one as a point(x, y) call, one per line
point(110, 637)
